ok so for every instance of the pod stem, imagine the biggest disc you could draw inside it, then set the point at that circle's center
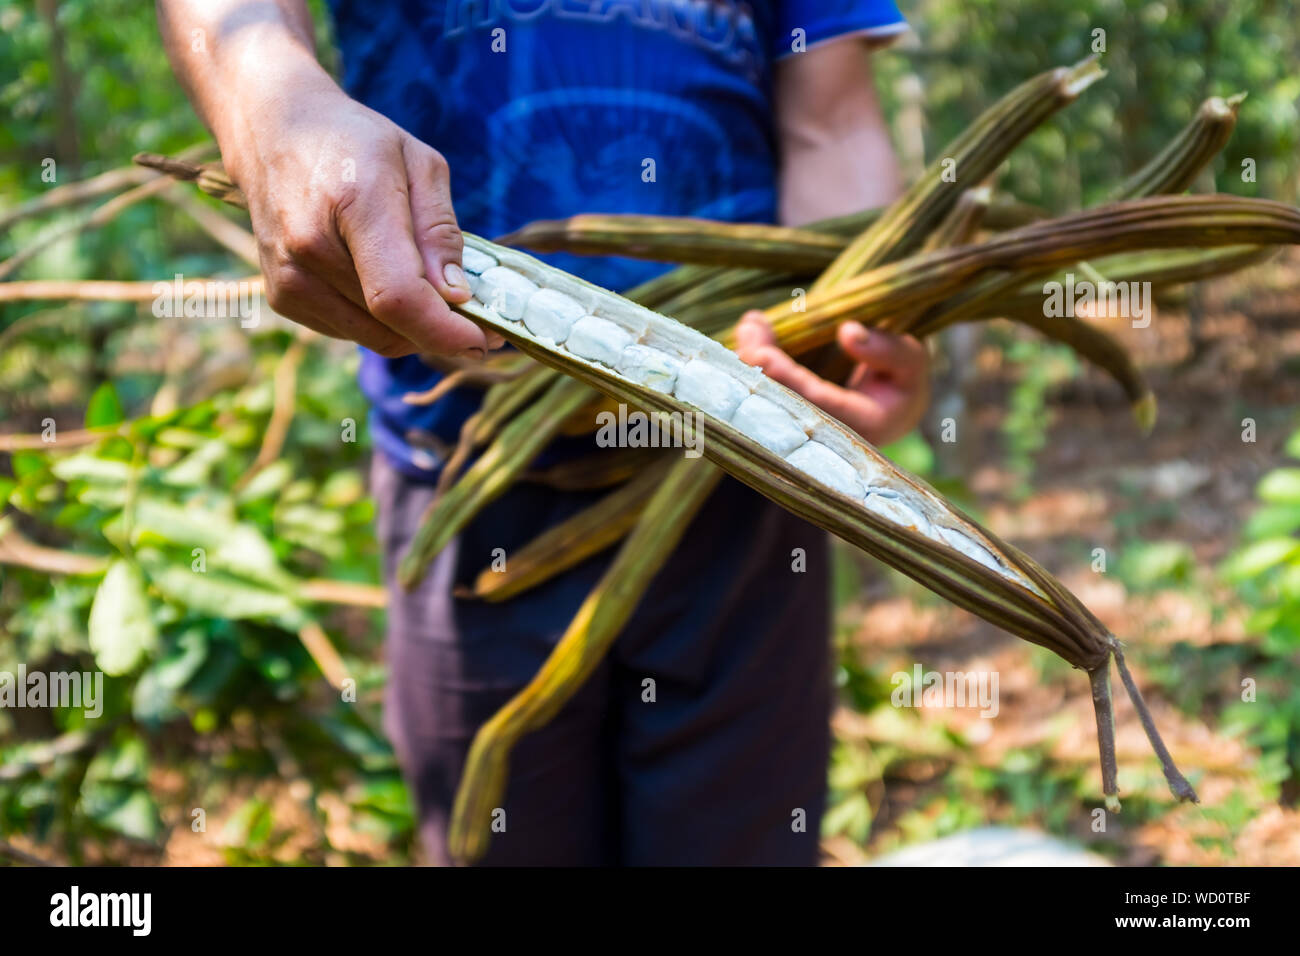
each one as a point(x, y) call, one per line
point(1099, 677)
point(1177, 782)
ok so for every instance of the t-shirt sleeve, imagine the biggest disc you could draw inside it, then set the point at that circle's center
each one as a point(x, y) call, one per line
point(822, 20)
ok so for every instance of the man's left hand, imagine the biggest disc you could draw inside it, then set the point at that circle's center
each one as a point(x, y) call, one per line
point(885, 395)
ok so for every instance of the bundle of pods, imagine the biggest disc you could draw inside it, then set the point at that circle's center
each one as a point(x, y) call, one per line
point(911, 267)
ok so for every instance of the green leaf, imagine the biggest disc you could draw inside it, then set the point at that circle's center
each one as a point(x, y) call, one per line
point(92, 469)
point(124, 761)
point(180, 438)
point(129, 811)
point(235, 547)
point(1272, 521)
point(341, 489)
point(105, 407)
point(193, 470)
point(267, 481)
point(222, 596)
point(911, 452)
point(121, 628)
point(1281, 486)
point(385, 794)
point(1254, 559)
point(852, 817)
point(250, 825)
point(1288, 582)
point(1292, 447)
point(372, 752)
point(1157, 563)
point(153, 700)
point(27, 463)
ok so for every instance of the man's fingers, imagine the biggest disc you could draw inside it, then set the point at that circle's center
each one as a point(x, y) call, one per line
point(377, 228)
point(902, 356)
point(752, 333)
point(860, 412)
point(309, 301)
point(433, 219)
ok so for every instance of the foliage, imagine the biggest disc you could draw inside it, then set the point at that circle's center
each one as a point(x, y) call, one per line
point(195, 614)
point(1266, 570)
point(1163, 58)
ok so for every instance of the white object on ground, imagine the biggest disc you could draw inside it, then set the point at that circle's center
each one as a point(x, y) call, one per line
point(993, 846)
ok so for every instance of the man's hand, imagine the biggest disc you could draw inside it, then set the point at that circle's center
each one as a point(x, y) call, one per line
point(886, 394)
point(353, 216)
point(354, 225)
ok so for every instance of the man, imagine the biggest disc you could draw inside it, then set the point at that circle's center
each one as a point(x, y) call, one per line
point(542, 109)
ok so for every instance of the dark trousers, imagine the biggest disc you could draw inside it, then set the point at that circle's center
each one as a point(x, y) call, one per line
point(726, 766)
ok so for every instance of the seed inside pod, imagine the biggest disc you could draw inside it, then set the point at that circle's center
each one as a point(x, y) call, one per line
point(847, 446)
point(959, 542)
point(476, 262)
point(505, 291)
point(772, 427)
point(890, 505)
point(817, 461)
point(550, 314)
point(597, 339)
point(703, 386)
point(652, 368)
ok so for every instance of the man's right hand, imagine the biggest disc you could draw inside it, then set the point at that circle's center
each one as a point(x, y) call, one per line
point(353, 216)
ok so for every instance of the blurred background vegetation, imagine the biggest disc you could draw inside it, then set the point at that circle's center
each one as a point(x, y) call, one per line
point(254, 695)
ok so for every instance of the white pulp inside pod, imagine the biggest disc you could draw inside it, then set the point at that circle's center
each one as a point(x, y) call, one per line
point(815, 459)
point(475, 263)
point(709, 389)
point(597, 339)
point(505, 291)
point(891, 506)
point(650, 367)
point(550, 314)
point(772, 427)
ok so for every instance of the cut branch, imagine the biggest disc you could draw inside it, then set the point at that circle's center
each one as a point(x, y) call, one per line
point(98, 290)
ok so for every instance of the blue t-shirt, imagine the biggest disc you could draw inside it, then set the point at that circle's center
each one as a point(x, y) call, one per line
point(549, 108)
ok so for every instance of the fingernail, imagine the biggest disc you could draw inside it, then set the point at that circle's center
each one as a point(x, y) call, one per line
point(475, 354)
point(495, 342)
point(455, 276)
point(861, 334)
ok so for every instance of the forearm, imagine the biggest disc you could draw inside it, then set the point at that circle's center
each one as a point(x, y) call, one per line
point(356, 234)
point(233, 56)
point(836, 155)
point(836, 173)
